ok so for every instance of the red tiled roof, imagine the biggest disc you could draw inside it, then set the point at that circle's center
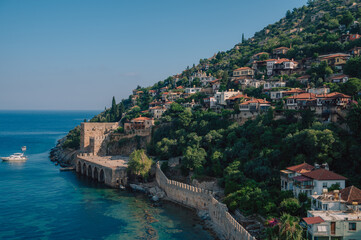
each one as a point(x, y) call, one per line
point(180, 87)
point(261, 53)
point(281, 48)
point(339, 76)
point(242, 68)
point(260, 101)
point(238, 96)
point(335, 55)
point(141, 119)
point(333, 95)
point(351, 194)
point(270, 60)
point(296, 90)
point(313, 220)
point(304, 77)
point(298, 168)
point(152, 91)
point(323, 174)
point(302, 178)
point(305, 96)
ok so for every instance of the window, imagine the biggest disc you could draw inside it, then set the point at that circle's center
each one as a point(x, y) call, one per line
point(324, 185)
point(321, 228)
point(352, 226)
point(324, 206)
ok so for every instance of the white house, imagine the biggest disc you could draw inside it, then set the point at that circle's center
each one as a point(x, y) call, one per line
point(335, 215)
point(315, 181)
point(221, 97)
point(270, 85)
point(192, 90)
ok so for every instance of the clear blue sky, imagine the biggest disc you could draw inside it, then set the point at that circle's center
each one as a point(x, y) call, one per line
point(77, 54)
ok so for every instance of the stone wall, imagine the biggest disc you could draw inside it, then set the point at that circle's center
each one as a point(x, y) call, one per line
point(92, 136)
point(225, 225)
point(121, 144)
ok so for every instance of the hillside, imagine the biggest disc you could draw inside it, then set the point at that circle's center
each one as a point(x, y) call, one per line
point(284, 97)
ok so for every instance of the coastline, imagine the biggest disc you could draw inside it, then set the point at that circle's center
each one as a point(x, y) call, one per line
point(66, 158)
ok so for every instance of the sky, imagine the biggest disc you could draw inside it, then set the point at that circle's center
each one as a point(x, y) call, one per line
point(78, 54)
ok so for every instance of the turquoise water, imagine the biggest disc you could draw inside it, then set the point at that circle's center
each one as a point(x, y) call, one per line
point(37, 201)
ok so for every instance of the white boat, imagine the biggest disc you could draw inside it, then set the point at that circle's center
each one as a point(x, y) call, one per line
point(15, 157)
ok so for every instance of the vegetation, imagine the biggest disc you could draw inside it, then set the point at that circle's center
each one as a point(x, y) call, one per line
point(139, 163)
point(72, 139)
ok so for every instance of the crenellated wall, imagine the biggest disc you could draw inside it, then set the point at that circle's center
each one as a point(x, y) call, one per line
point(201, 199)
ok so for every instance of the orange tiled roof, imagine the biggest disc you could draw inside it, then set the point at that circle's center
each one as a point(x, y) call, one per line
point(323, 174)
point(238, 96)
point(309, 96)
point(301, 167)
point(296, 90)
point(140, 119)
point(335, 55)
point(260, 101)
point(333, 95)
point(339, 76)
point(242, 68)
point(313, 220)
point(351, 194)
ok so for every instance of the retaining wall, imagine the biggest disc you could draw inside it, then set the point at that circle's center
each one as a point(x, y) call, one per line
point(201, 199)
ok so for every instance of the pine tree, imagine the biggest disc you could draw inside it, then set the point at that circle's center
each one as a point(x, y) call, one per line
point(243, 40)
point(114, 112)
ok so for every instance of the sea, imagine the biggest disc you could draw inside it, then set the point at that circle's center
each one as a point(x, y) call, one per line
point(37, 201)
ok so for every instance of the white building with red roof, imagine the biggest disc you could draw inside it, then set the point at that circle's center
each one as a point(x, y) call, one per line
point(243, 71)
point(255, 105)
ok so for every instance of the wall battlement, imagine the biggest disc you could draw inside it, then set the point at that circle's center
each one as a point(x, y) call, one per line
point(202, 199)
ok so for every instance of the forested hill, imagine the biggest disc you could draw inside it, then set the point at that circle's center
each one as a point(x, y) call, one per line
point(246, 158)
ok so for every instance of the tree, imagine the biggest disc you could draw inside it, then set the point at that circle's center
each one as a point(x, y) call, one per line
point(290, 206)
point(287, 228)
point(194, 158)
point(243, 40)
point(114, 111)
point(353, 119)
point(347, 19)
point(139, 163)
point(353, 67)
point(352, 87)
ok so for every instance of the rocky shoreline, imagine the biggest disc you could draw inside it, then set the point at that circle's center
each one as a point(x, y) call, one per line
point(62, 157)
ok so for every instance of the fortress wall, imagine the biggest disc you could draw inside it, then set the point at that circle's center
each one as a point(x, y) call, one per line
point(201, 199)
point(92, 135)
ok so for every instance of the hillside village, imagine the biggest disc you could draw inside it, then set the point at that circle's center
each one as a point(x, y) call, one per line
point(267, 120)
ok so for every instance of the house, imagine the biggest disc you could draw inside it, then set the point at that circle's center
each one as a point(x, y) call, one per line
point(153, 93)
point(165, 96)
point(333, 225)
point(202, 76)
point(210, 102)
point(255, 105)
point(335, 215)
point(269, 66)
point(356, 51)
point(349, 37)
point(337, 200)
point(173, 96)
point(284, 66)
point(140, 123)
point(221, 97)
point(334, 99)
point(192, 90)
point(289, 173)
point(336, 59)
point(276, 95)
point(243, 71)
point(340, 78)
point(304, 79)
point(301, 101)
point(157, 111)
point(232, 100)
point(258, 55)
point(270, 85)
point(280, 51)
point(315, 181)
point(164, 89)
point(215, 85)
point(318, 91)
